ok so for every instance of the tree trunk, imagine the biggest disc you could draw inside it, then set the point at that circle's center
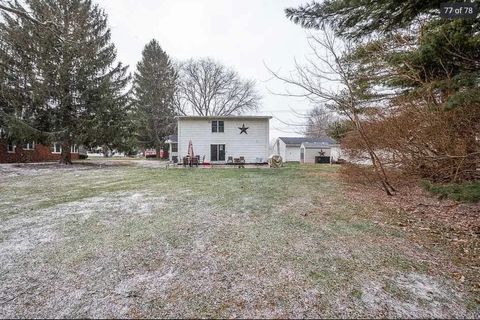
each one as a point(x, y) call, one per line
point(471, 162)
point(65, 156)
point(377, 164)
point(105, 151)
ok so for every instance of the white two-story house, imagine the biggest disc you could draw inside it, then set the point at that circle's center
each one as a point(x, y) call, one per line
point(215, 139)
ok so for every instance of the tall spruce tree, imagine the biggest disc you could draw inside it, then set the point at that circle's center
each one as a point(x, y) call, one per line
point(113, 125)
point(58, 76)
point(154, 90)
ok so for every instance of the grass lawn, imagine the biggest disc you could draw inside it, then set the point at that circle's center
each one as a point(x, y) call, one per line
point(467, 191)
point(134, 241)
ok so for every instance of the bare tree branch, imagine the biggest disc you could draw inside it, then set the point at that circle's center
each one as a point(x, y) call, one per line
point(314, 80)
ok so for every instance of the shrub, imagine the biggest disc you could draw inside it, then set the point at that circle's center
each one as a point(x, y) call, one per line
point(466, 192)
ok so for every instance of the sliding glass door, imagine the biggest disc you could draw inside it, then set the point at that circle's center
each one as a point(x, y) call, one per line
point(217, 152)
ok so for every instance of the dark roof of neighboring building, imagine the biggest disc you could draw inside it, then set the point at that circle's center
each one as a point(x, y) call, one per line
point(316, 145)
point(172, 138)
point(297, 141)
point(223, 117)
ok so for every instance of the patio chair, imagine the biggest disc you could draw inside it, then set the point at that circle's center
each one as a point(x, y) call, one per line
point(194, 161)
point(242, 162)
point(230, 160)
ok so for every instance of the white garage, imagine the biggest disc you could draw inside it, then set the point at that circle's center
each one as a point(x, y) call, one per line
point(319, 152)
point(289, 147)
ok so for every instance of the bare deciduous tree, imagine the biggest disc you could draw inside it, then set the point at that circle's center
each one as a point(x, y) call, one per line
point(207, 88)
point(319, 120)
point(329, 79)
point(313, 123)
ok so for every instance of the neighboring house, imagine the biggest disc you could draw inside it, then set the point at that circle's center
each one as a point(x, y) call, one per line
point(289, 147)
point(215, 139)
point(321, 151)
point(32, 152)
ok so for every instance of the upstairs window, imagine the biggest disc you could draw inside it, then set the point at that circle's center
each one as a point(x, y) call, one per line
point(218, 126)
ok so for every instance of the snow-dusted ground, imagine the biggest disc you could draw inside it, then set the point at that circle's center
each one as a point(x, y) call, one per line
point(119, 240)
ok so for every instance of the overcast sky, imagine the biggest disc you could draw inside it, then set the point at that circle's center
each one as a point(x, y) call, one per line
point(242, 34)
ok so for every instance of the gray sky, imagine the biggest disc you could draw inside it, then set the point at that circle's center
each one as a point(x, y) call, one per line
point(242, 34)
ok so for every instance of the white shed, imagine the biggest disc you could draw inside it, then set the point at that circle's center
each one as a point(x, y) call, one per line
point(289, 147)
point(215, 139)
point(319, 152)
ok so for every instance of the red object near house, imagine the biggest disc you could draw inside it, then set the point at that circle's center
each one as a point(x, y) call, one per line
point(30, 152)
point(190, 152)
point(150, 153)
point(161, 154)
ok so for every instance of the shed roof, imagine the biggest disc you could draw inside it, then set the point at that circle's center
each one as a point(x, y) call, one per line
point(316, 145)
point(223, 117)
point(297, 141)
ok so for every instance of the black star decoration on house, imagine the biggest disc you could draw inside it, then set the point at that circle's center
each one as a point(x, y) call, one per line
point(243, 129)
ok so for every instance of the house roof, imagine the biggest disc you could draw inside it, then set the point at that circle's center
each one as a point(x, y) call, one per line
point(223, 117)
point(297, 141)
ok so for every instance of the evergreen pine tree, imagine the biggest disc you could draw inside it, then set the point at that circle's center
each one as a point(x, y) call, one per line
point(61, 73)
point(154, 90)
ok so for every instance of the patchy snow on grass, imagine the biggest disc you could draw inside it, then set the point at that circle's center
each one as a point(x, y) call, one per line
point(412, 295)
point(136, 242)
point(29, 230)
point(11, 170)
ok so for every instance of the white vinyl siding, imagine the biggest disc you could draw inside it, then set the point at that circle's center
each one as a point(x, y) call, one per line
point(280, 149)
point(292, 154)
point(253, 145)
point(336, 153)
point(287, 152)
point(310, 154)
point(328, 151)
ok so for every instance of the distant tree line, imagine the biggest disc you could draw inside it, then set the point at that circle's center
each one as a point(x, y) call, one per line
point(60, 81)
